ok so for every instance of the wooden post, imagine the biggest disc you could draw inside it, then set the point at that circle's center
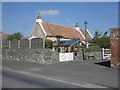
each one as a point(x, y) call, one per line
point(30, 43)
point(9, 44)
point(18, 43)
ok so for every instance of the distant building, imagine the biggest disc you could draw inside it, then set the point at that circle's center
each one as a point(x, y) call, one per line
point(3, 36)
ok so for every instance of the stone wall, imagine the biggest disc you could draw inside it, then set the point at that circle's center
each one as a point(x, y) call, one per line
point(32, 51)
point(78, 56)
point(28, 50)
point(46, 56)
point(32, 55)
point(91, 56)
point(95, 55)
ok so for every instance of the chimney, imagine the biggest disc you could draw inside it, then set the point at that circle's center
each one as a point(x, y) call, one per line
point(39, 19)
point(77, 26)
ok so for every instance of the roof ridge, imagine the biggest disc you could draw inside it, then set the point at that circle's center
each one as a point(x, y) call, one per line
point(59, 25)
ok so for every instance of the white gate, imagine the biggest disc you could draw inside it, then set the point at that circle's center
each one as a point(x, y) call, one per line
point(65, 57)
point(106, 53)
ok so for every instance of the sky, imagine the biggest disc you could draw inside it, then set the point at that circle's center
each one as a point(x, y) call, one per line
point(21, 16)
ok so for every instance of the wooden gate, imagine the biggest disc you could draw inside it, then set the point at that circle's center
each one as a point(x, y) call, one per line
point(106, 53)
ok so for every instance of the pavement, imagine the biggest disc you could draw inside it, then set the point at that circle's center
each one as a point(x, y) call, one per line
point(72, 74)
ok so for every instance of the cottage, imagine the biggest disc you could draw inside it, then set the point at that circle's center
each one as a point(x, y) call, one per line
point(58, 33)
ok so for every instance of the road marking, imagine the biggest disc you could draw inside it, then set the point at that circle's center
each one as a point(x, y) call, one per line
point(85, 85)
point(35, 69)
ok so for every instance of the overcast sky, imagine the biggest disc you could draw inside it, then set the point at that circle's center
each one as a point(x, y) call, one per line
point(21, 16)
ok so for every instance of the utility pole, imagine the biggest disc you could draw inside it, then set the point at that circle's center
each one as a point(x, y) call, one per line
point(85, 23)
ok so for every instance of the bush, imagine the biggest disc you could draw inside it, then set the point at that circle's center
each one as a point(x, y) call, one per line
point(103, 42)
point(93, 48)
point(48, 44)
point(16, 36)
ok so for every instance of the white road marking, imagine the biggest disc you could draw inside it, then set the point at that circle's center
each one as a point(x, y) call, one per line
point(85, 85)
point(35, 69)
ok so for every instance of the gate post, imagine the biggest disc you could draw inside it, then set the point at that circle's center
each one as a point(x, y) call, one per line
point(115, 47)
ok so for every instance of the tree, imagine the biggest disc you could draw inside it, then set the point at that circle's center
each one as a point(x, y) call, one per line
point(105, 34)
point(97, 34)
point(102, 42)
point(16, 36)
point(48, 44)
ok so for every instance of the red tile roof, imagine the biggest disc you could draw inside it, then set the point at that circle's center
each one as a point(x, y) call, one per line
point(58, 30)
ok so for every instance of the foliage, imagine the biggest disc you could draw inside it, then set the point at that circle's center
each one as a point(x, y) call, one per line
point(105, 34)
point(103, 42)
point(48, 43)
point(16, 36)
point(97, 34)
point(93, 47)
point(100, 41)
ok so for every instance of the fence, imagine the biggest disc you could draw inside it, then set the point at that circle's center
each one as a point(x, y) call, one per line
point(35, 43)
point(106, 53)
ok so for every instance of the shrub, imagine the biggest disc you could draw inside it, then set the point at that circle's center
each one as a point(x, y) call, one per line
point(48, 44)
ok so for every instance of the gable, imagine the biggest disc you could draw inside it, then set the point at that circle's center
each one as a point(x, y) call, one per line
point(37, 31)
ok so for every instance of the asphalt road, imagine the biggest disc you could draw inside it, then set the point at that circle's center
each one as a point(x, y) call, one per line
point(74, 74)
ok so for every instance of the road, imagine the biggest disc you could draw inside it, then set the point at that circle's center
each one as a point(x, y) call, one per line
point(75, 74)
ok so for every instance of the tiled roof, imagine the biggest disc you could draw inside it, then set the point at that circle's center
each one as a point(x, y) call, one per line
point(58, 30)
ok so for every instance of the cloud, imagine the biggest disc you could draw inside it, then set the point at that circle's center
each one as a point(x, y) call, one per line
point(49, 12)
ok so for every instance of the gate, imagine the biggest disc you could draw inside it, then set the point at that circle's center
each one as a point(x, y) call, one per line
point(106, 54)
